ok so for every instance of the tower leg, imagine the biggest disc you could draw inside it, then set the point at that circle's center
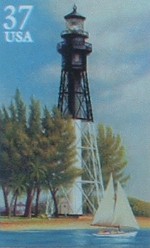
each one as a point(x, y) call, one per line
point(86, 192)
point(92, 183)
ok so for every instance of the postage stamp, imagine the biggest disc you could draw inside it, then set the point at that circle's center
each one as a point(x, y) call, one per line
point(74, 118)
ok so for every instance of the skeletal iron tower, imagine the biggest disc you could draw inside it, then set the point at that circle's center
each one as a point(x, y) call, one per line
point(74, 99)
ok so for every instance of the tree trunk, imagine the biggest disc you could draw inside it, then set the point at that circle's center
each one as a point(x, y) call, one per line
point(53, 193)
point(6, 193)
point(11, 205)
point(15, 205)
point(38, 191)
point(28, 208)
point(55, 203)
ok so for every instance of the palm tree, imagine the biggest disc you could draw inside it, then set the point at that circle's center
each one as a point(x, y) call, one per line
point(38, 175)
point(18, 187)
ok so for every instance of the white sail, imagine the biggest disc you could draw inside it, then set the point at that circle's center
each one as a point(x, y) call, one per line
point(113, 212)
point(104, 214)
point(123, 215)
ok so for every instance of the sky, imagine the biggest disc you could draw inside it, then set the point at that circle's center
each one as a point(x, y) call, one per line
point(118, 67)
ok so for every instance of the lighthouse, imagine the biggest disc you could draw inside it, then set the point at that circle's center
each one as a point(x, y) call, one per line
point(74, 100)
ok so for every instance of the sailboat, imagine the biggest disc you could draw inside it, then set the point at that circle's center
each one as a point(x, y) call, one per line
point(115, 214)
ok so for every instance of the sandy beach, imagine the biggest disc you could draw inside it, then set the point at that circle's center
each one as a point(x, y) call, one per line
point(61, 223)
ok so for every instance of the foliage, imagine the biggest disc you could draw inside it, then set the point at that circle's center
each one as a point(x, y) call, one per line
point(140, 208)
point(36, 152)
point(12, 147)
point(112, 155)
point(59, 153)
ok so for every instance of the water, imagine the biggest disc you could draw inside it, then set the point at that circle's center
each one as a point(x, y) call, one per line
point(70, 239)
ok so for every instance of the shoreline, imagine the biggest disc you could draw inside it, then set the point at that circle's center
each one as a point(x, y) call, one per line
point(61, 223)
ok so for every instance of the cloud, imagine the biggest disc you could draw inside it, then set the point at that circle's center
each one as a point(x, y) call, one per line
point(49, 73)
point(125, 101)
point(112, 74)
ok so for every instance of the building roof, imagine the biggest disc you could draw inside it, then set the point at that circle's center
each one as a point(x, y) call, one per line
point(74, 14)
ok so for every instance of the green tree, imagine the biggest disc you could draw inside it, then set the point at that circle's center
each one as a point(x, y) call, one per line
point(35, 153)
point(38, 175)
point(20, 110)
point(13, 148)
point(59, 153)
point(10, 157)
point(112, 155)
point(18, 187)
point(34, 133)
point(21, 146)
point(139, 207)
point(5, 143)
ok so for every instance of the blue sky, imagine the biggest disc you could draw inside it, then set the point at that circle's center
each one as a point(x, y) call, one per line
point(118, 69)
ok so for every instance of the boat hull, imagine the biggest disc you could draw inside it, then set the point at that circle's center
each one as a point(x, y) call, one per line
point(117, 235)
